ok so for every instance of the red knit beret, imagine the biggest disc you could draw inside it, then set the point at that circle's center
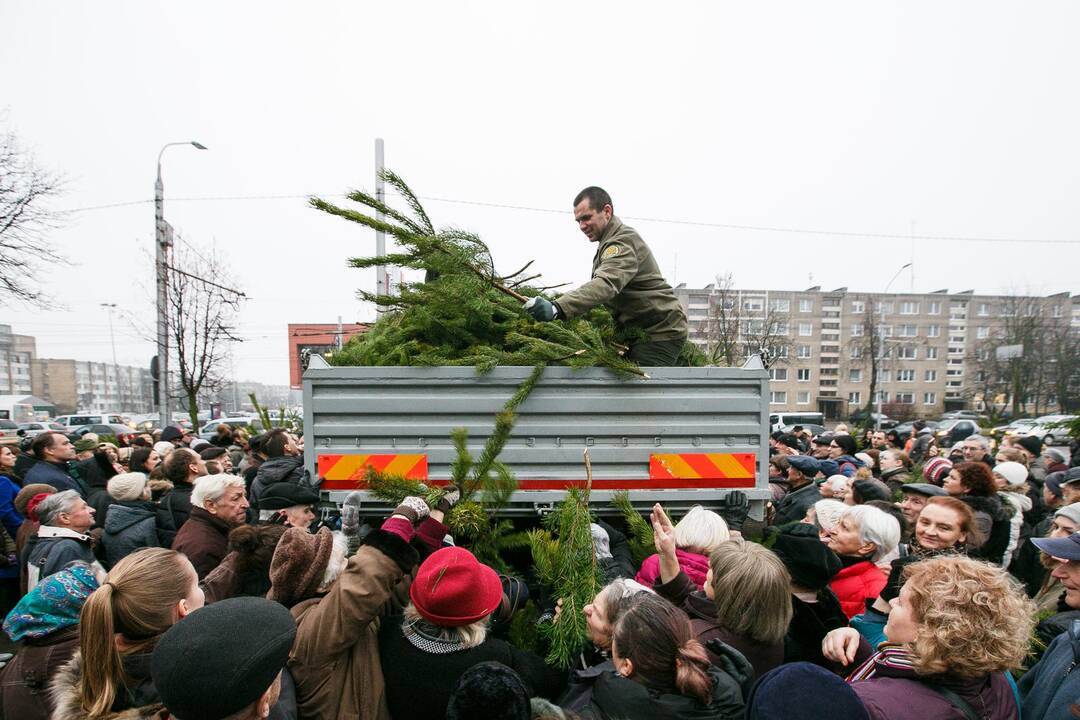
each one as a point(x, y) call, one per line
point(452, 588)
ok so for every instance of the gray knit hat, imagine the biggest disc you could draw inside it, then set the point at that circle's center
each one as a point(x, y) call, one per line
point(1071, 512)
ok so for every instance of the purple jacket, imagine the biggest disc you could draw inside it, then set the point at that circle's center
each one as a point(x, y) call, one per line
point(895, 692)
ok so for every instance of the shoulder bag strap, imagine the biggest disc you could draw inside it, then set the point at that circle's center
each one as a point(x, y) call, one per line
point(955, 700)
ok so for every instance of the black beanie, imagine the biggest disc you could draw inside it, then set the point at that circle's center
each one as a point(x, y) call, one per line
point(869, 489)
point(809, 561)
point(1032, 444)
point(222, 658)
point(489, 691)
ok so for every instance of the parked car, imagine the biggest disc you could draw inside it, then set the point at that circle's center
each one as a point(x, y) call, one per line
point(954, 431)
point(9, 432)
point(1046, 427)
point(79, 419)
point(1016, 427)
point(33, 429)
point(777, 420)
point(209, 430)
point(904, 429)
point(963, 414)
point(860, 416)
point(124, 434)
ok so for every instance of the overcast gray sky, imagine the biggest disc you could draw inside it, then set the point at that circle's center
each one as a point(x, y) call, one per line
point(942, 118)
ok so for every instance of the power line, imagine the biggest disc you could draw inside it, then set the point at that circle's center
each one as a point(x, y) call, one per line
point(664, 221)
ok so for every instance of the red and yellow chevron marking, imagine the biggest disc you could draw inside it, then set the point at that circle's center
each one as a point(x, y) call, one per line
point(341, 472)
point(704, 466)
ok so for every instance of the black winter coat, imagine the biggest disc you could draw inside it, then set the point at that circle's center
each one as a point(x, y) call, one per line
point(619, 698)
point(96, 472)
point(990, 511)
point(280, 469)
point(173, 511)
point(810, 623)
point(418, 683)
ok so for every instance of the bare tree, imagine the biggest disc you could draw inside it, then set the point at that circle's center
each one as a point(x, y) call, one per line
point(202, 308)
point(25, 219)
point(866, 351)
point(733, 332)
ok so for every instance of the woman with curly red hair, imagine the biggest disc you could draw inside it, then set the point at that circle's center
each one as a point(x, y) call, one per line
point(955, 630)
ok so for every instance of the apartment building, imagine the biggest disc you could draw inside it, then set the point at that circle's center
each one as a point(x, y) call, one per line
point(83, 386)
point(16, 355)
point(934, 351)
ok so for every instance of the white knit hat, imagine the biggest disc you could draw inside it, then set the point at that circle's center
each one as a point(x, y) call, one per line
point(828, 513)
point(127, 487)
point(1013, 472)
point(163, 448)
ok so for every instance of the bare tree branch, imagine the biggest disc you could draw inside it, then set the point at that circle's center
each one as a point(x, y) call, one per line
point(25, 222)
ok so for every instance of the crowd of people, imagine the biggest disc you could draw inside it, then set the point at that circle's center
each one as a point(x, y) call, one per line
point(889, 578)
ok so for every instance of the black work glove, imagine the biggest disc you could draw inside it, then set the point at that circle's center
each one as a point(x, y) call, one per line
point(734, 508)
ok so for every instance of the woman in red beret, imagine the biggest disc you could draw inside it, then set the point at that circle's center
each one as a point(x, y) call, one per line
point(444, 632)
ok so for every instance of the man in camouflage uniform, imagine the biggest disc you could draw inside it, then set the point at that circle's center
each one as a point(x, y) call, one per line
point(626, 280)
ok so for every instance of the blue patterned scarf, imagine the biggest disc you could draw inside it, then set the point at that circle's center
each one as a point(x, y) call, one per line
point(53, 605)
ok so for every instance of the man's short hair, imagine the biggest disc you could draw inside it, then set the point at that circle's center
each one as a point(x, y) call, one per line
point(981, 440)
point(57, 503)
point(176, 465)
point(274, 442)
point(596, 196)
point(41, 443)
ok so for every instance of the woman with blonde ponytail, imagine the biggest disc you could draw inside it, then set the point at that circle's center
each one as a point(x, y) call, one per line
point(663, 673)
point(143, 596)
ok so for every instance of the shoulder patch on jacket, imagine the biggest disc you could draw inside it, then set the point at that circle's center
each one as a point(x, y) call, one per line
point(611, 251)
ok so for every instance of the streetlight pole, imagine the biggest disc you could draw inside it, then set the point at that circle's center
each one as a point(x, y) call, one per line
point(162, 242)
point(109, 307)
point(881, 341)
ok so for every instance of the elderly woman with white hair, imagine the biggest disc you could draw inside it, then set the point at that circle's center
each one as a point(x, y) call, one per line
point(698, 533)
point(218, 504)
point(861, 538)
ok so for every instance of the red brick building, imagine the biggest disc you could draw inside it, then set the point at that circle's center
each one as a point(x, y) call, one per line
point(318, 338)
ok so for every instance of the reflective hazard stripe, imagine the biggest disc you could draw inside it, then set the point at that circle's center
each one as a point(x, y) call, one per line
point(702, 466)
point(343, 472)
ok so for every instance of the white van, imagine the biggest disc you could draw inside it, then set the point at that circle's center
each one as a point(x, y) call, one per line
point(74, 421)
point(788, 420)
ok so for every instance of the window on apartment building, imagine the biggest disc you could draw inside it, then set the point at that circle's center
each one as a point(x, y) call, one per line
point(980, 376)
point(854, 375)
point(881, 396)
point(983, 309)
point(858, 307)
point(908, 331)
point(930, 376)
point(885, 330)
point(856, 330)
point(780, 327)
point(777, 351)
point(806, 306)
point(803, 352)
point(780, 305)
point(802, 397)
point(909, 308)
point(753, 327)
point(905, 398)
point(883, 308)
point(931, 353)
point(855, 352)
point(883, 375)
point(1056, 311)
point(933, 307)
point(907, 352)
point(982, 333)
point(806, 329)
point(752, 304)
point(905, 376)
point(933, 331)
point(778, 374)
point(929, 398)
point(983, 354)
point(778, 397)
point(802, 374)
point(854, 397)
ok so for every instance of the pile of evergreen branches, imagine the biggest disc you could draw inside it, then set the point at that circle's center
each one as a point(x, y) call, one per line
point(464, 313)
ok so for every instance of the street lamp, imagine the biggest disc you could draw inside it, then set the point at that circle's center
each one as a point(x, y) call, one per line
point(881, 340)
point(109, 307)
point(163, 241)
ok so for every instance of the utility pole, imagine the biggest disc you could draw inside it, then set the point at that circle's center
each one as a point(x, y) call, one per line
point(163, 242)
point(380, 236)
